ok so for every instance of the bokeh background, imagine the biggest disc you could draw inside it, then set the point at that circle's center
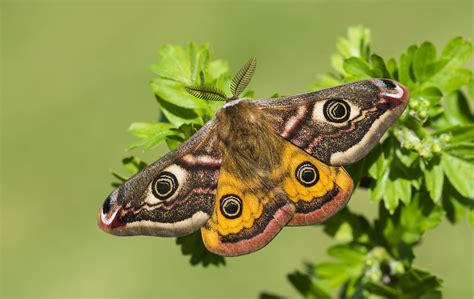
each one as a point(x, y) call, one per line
point(75, 74)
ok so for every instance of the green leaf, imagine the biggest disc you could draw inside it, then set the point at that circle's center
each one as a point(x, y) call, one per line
point(378, 168)
point(177, 115)
point(448, 73)
point(415, 283)
point(408, 223)
point(326, 81)
point(346, 226)
point(348, 254)
point(357, 43)
point(193, 246)
point(175, 93)
point(304, 285)
point(216, 69)
point(392, 68)
point(173, 64)
point(431, 94)
point(454, 203)
point(434, 179)
point(418, 217)
point(377, 191)
point(265, 295)
point(402, 188)
point(133, 164)
point(381, 290)
point(358, 68)
point(405, 75)
point(301, 282)
point(459, 134)
point(198, 58)
point(460, 173)
point(379, 68)
point(423, 61)
point(457, 110)
point(150, 134)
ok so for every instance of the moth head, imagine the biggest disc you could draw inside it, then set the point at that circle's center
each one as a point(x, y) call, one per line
point(161, 201)
point(353, 117)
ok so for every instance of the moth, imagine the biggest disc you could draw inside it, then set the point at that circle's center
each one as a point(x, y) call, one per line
point(258, 166)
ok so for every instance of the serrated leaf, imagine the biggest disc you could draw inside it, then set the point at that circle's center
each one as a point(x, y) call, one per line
point(173, 64)
point(418, 217)
point(175, 93)
point(198, 58)
point(265, 295)
point(402, 188)
point(459, 133)
point(356, 44)
point(378, 169)
point(405, 69)
point(379, 68)
point(453, 203)
point(133, 164)
point(392, 68)
point(177, 115)
point(147, 130)
point(431, 94)
point(381, 290)
point(326, 81)
point(377, 191)
point(301, 282)
point(193, 246)
point(337, 62)
point(423, 61)
point(457, 111)
point(358, 68)
point(394, 191)
point(346, 226)
point(434, 179)
point(215, 69)
point(336, 274)
point(460, 173)
point(348, 254)
point(448, 74)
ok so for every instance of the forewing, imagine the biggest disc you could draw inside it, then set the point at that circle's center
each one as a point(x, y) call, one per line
point(174, 196)
point(371, 107)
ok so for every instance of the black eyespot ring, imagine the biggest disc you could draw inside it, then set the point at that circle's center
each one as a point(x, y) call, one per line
point(164, 185)
point(231, 206)
point(107, 205)
point(337, 111)
point(307, 174)
point(389, 84)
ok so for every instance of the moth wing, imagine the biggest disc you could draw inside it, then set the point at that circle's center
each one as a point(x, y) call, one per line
point(261, 203)
point(316, 190)
point(174, 196)
point(363, 110)
point(248, 214)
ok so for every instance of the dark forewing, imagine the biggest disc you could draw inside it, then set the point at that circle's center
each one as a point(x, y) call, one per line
point(374, 105)
point(191, 174)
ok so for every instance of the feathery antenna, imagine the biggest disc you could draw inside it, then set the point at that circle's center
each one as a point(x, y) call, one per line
point(207, 93)
point(242, 79)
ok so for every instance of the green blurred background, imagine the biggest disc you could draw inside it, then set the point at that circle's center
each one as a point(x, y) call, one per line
point(75, 74)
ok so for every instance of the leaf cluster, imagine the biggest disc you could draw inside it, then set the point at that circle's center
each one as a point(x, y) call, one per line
point(421, 172)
